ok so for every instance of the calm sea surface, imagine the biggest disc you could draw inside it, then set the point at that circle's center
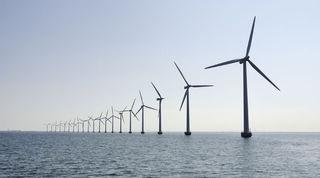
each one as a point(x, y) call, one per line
point(36, 154)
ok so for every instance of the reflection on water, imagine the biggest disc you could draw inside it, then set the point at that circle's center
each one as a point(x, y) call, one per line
point(172, 154)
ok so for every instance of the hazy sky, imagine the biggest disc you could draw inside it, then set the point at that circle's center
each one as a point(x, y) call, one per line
point(61, 59)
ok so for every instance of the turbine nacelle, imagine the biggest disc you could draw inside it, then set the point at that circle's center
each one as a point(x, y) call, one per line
point(244, 59)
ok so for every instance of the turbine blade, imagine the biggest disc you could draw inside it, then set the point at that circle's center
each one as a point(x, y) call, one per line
point(141, 97)
point(124, 109)
point(139, 110)
point(184, 98)
point(101, 114)
point(133, 104)
point(150, 107)
point(135, 115)
point(198, 86)
point(224, 63)
point(181, 73)
point(261, 73)
point(156, 89)
point(250, 38)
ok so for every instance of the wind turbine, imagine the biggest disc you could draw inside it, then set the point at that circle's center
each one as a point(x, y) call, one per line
point(64, 126)
point(69, 124)
point(82, 124)
point(73, 124)
point(142, 112)
point(60, 123)
point(88, 120)
point(246, 130)
point(93, 120)
point(78, 124)
point(55, 126)
point(47, 126)
point(159, 111)
point(99, 119)
point(121, 119)
point(186, 95)
point(112, 119)
point(106, 119)
point(130, 113)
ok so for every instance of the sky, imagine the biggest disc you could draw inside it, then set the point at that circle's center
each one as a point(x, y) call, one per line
point(62, 59)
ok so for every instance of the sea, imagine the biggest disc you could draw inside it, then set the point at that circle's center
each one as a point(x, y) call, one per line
point(54, 154)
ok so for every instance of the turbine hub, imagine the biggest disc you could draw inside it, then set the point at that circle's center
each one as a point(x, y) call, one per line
point(244, 59)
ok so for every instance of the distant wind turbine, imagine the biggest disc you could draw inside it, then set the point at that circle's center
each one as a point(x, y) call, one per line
point(246, 130)
point(64, 126)
point(47, 127)
point(82, 123)
point(99, 119)
point(88, 126)
point(121, 119)
point(142, 112)
point(78, 124)
point(186, 95)
point(130, 111)
point(112, 119)
point(55, 126)
point(106, 119)
point(69, 124)
point(60, 126)
point(73, 124)
point(93, 120)
point(159, 110)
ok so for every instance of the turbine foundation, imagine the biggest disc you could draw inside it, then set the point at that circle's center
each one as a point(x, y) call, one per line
point(246, 134)
point(187, 133)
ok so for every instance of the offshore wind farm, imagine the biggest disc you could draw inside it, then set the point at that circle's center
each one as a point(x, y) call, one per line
point(246, 131)
point(158, 89)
